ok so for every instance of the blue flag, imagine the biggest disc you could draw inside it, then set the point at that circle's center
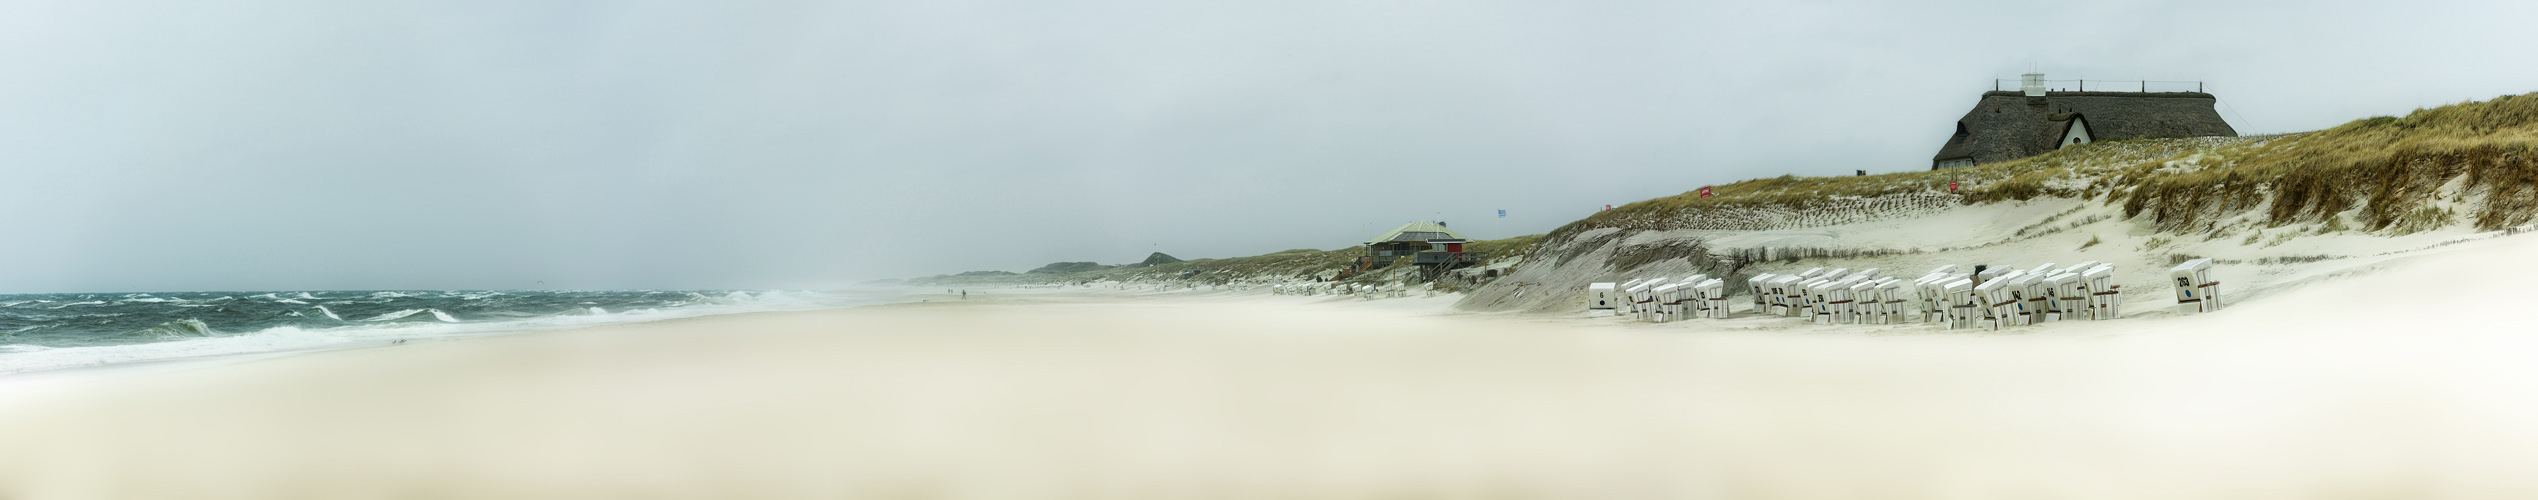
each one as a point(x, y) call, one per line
point(1502, 214)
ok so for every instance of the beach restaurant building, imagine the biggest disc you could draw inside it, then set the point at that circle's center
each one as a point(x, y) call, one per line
point(1425, 243)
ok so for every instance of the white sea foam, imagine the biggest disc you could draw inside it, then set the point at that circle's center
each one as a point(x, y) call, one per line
point(397, 315)
point(25, 358)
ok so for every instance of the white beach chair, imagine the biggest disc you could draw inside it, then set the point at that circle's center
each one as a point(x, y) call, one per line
point(1891, 301)
point(2008, 299)
point(1929, 298)
point(1755, 285)
point(2196, 291)
point(1863, 305)
point(1714, 297)
point(2067, 297)
point(1846, 298)
point(2039, 293)
point(2080, 267)
point(1600, 301)
point(1666, 302)
point(1961, 303)
point(2105, 301)
point(1783, 298)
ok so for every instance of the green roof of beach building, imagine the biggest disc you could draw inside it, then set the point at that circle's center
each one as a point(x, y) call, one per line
point(1419, 231)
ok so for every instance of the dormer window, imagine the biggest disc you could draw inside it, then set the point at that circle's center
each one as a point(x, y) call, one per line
point(2077, 134)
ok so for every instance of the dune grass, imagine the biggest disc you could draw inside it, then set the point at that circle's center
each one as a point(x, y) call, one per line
point(2392, 169)
point(1302, 263)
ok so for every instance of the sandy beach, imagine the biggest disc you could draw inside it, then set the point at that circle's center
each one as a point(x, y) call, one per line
point(2338, 389)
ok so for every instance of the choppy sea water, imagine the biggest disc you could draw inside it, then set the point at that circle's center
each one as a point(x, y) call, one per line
point(67, 330)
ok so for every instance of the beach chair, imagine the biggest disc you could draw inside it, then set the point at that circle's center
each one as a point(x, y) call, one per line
point(2196, 291)
point(2068, 300)
point(2105, 302)
point(1782, 298)
point(2001, 298)
point(1867, 306)
point(1961, 302)
point(1890, 293)
point(1669, 303)
point(1842, 299)
point(1714, 296)
point(1929, 298)
point(2039, 293)
point(1600, 301)
point(1754, 286)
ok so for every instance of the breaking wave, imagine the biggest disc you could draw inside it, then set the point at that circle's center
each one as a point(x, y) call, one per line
point(53, 331)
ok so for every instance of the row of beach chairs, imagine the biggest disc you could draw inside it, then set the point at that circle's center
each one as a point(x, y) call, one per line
point(1661, 301)
point(1993, 299)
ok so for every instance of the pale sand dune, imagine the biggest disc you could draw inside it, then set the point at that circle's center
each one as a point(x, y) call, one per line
point(1057, 396)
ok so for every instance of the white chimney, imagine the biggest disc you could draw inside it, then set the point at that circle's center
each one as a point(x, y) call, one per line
point(2032, 84)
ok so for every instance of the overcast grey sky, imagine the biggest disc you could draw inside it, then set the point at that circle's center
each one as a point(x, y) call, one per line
point(326, 144)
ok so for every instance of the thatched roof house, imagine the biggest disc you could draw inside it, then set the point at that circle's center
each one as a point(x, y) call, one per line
point(2008, 125)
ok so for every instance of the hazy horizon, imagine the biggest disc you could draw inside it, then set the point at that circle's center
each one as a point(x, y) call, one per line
point(302, 145)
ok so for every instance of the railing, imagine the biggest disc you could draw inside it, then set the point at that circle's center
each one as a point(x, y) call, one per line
point(1449, 258)
point(2105, 85)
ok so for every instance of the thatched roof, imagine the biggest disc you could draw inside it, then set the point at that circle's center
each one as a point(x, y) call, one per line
point(2009, 125)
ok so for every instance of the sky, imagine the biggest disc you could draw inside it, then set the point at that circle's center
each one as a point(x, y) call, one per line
point(520, 144)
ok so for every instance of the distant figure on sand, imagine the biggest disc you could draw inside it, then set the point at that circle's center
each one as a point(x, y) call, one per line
point(964, 295)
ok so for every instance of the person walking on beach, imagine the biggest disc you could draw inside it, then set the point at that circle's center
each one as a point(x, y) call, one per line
point(964, 295)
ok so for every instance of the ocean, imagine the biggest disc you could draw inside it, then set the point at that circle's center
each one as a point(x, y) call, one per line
point(69, 330)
